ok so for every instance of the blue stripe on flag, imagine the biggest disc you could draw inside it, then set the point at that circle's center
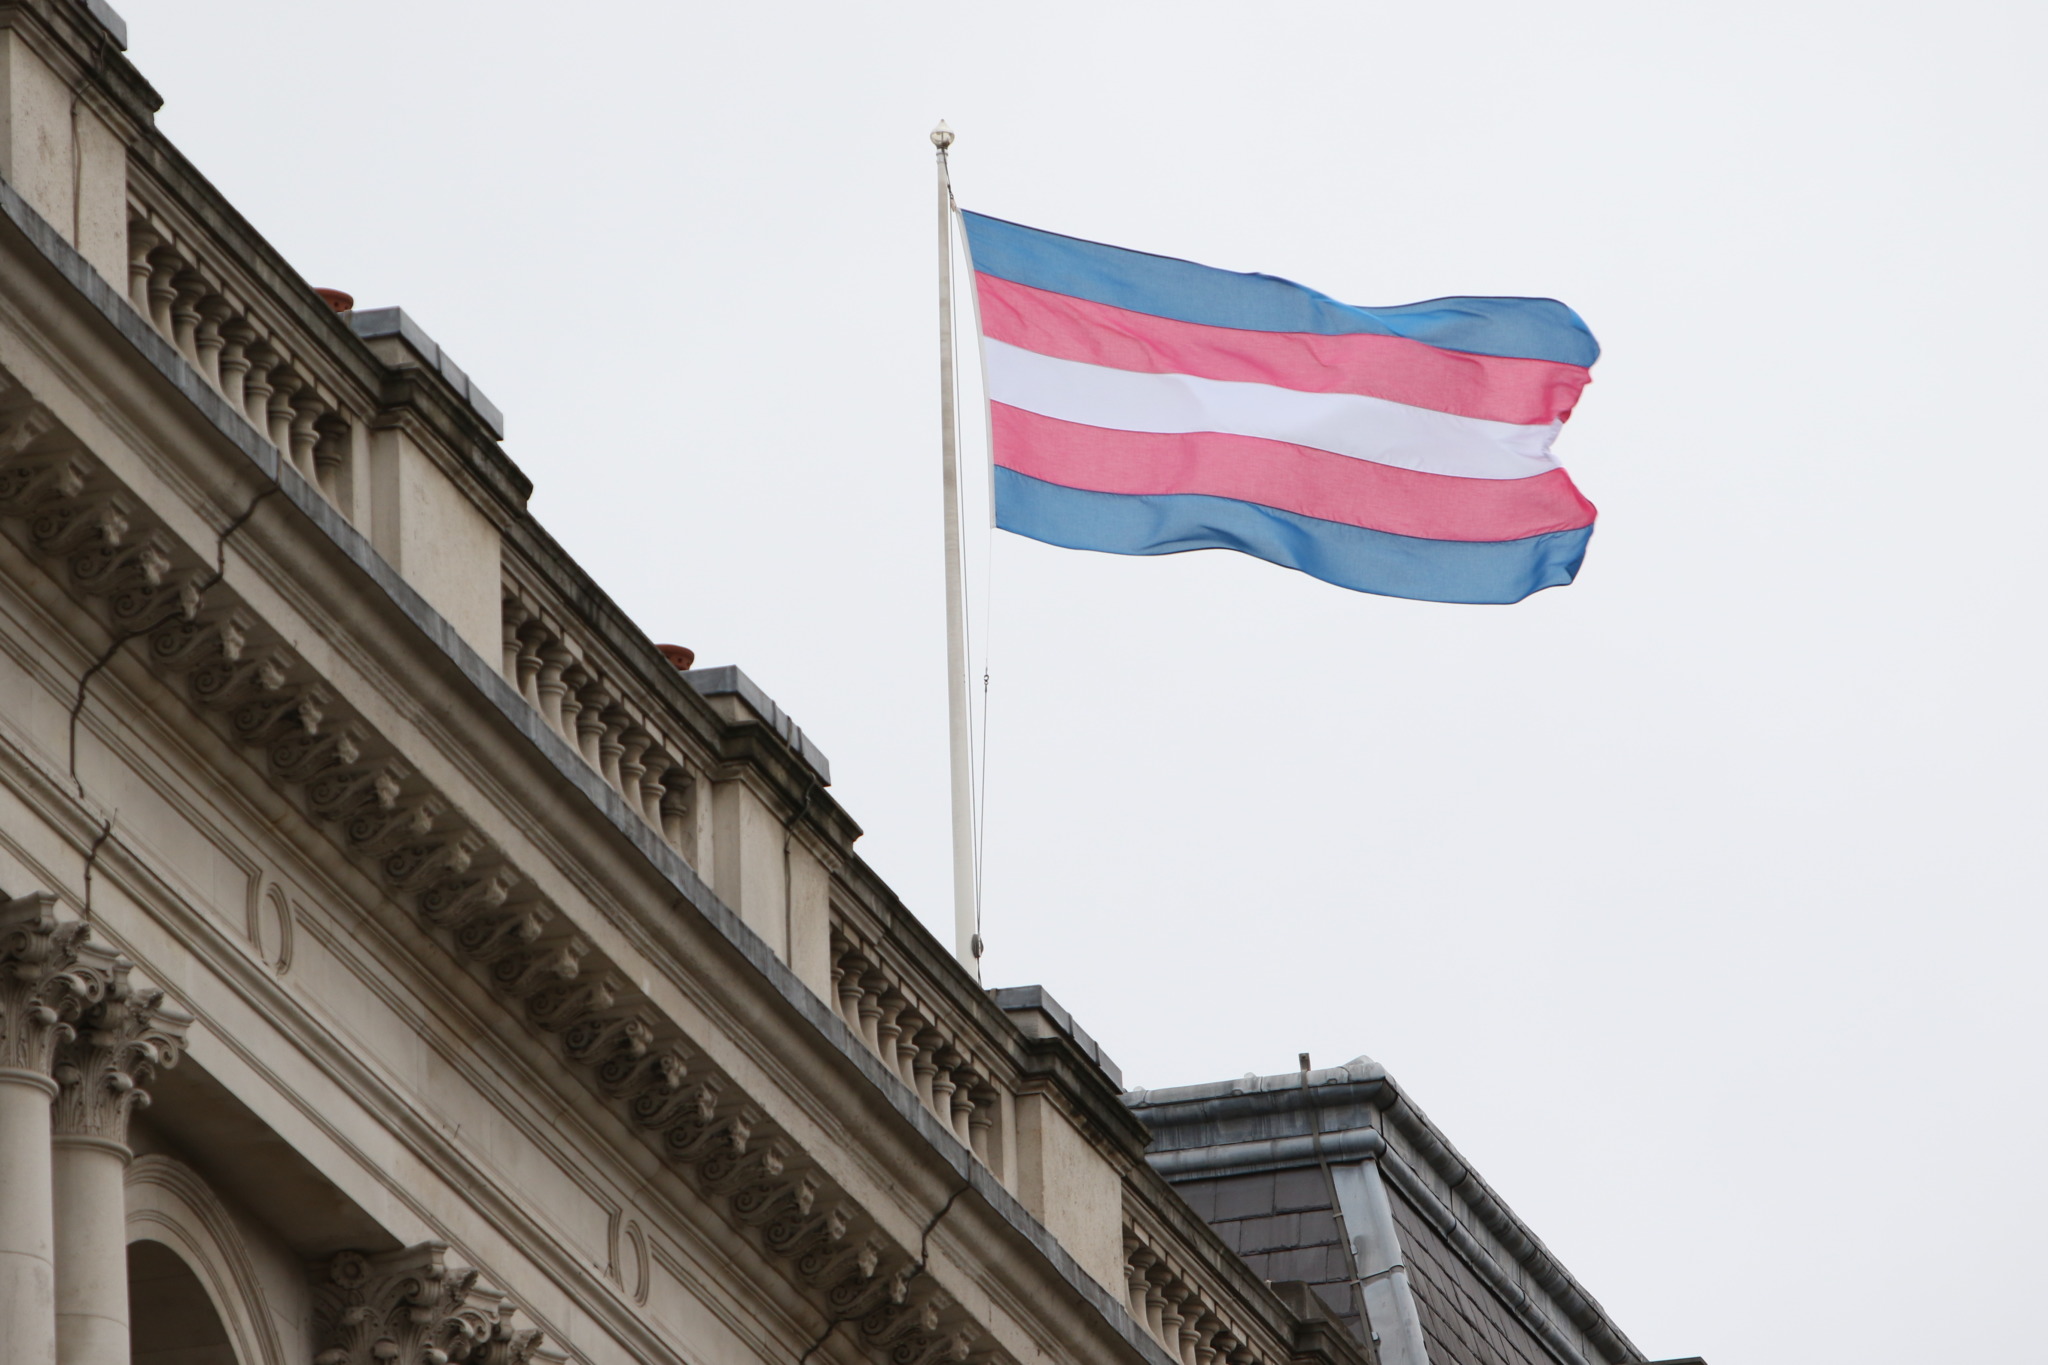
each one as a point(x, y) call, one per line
point(1496, 571)
point(1535, 329)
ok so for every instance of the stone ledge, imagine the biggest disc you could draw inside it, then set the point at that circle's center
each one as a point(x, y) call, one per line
point(370, 323)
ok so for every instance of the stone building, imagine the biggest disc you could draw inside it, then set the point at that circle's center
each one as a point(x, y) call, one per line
point(403, 959)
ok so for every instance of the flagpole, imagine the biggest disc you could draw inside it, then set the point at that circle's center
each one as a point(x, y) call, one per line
point(966, 938)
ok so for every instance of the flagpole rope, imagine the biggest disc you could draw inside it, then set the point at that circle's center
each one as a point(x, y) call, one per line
point(978, 736)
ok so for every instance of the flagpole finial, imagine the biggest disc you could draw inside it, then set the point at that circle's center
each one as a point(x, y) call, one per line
point(942, 136)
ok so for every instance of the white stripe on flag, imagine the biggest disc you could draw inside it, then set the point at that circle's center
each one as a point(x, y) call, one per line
point(1343, 423)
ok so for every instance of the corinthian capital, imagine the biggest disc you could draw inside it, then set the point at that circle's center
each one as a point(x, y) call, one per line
point(43, 986)
point(120, 1041)
point(411, 1307)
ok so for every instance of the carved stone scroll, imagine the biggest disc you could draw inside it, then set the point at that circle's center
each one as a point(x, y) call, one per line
point(121, 1040)
point(411, 1307)
point(44, 988)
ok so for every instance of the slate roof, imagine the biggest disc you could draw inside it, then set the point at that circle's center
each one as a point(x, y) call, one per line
point(1486, 1290)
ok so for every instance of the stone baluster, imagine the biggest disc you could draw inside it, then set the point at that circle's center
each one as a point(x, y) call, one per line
point(981, 1122)
point(533, 638)
point(285, 384)
point(1138, 1261)
point(675, 810)
point(852, 967)
point(191, 289)
point(214, 313)
point(235, 338)
point(888, 1027)
point(142, 240)
point(610, 745)
point(1205, 1338)
point(122, 1040)
point(965, 1080)
point(1171, 1295)
point(925, 1067)
point(590, 724)
point(1156, 1279)
point(632, 744)
point(308, 407)
point(943, 1084)
point(549, 686)
point(164, 265)
point(653, 785)
point(42, 993)
point(332, 449)
point(515, 614)
point(1190, 1327)
point(574, 679)
point(256, 382)
point(873, 987)
point(911, 1023)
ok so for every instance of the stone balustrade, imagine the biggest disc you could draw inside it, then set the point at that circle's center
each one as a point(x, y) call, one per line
point(912, 1034)
point(559, 674)
point(251, 361)
point(1178, 1306)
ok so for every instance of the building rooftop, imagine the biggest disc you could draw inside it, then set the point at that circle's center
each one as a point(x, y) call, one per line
point(1439, 1270)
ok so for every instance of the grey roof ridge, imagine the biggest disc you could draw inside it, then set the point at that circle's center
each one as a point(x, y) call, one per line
point(1358, 1069)
point(158, 353)
point(1444, 1161)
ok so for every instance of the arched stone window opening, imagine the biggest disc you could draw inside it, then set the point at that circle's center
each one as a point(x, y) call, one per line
point(171, 1319)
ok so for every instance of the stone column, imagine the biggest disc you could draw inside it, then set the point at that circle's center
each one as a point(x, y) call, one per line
point(42, 991)
point(121, 1039)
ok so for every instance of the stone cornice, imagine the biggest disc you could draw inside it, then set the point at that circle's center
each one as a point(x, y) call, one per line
point(147, 584)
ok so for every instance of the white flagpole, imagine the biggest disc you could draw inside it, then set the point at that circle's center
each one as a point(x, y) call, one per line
point(966, 938)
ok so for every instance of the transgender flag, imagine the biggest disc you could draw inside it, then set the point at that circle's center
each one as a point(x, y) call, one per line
point(1144, 405)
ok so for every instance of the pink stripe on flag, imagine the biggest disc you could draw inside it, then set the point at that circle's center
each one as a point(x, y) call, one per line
point(1497, 388)
point(1314, 483)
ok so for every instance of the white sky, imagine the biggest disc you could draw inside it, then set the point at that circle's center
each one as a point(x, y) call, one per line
point(1699, 902)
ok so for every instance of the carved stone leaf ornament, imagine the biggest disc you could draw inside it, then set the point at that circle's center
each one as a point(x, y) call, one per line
point(114, 556)
point(43, 988)
point(120, 1042)
point(411, 1307)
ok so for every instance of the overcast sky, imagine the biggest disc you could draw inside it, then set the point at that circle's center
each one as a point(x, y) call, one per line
point(1699, 902)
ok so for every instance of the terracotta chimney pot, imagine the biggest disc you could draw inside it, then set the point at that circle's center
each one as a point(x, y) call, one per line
point(339, 300)
point(678, 655)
